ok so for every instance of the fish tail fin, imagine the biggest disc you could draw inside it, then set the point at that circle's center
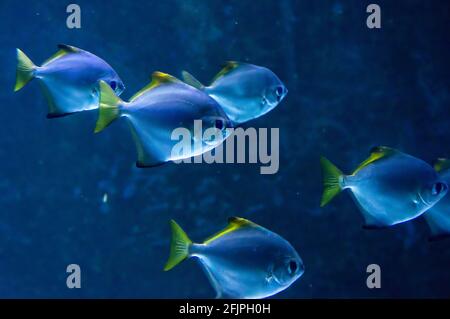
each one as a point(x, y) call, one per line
point(331, 185)
point(192, 81)
point(109, 107)
point(24, 71)
point(179, 246)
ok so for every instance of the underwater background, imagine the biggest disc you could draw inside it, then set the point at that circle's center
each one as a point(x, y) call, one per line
point(350, 88)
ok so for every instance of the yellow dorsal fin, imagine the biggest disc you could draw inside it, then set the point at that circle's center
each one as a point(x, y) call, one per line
point(441, 164)
point(229, 66)
point(68, 48)
point(158, 78)
point(234, 223)
point(63, 50)
point(376, 153)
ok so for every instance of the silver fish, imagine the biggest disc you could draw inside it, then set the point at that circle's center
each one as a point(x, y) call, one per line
point(389, 187)
point(157, 111)
point(244, 260)
point(69, 79)
point(244, 91)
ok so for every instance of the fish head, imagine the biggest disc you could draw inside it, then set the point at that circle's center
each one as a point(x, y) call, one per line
point(216, 129)
point(287, 269)
point(431, 193)
point(274, 92)
point(115, 83)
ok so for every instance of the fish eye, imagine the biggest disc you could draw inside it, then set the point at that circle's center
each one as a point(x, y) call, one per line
point(292, 267)
point(113, 85)
point(438, 188)
point(279, 91)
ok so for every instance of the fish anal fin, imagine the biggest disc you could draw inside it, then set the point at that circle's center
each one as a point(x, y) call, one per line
point(373, 226)
point(144, 157)
point(56, 115)
point(371, 223)
point(213, 281)
point(376, 153)
point(144, 165)
point(438, 228)
point(53, 110)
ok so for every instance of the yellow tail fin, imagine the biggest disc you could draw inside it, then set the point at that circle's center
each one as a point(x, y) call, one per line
point(331, 186)
point(179, 246)
point(24, 70)
point(108, 109)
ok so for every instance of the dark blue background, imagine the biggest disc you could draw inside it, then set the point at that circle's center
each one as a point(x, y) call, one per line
point(350, 88)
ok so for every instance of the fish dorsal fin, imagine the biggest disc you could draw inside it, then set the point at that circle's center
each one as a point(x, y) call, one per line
point(229, 66)
point(441, 164)
point(234, 223)
point(158, 78)
point(376, 153)
point(63, 50)
point(68, 48)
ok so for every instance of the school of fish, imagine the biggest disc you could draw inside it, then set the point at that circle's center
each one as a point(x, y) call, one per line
point(244, 260)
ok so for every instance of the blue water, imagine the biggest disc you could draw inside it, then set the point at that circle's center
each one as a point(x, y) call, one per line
point(350, 88)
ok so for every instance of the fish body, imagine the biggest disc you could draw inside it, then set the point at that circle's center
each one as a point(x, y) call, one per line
point(244, 91)
point(390, 187)
point(69, 79)
point(244, 260)
point(157, 111)
point(438, 217)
